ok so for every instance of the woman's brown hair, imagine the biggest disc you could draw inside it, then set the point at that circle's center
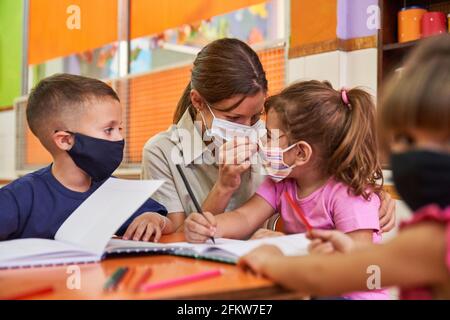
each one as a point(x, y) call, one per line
point(419, 97)
point(341, 134)
point(222, 69)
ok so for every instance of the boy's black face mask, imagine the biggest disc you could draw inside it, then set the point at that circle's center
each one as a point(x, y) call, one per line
point(422, 177)
point(99, 158)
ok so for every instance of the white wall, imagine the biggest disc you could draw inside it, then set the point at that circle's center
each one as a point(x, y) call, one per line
point(342, 69)
point(7, 144)
point(361, 69)
point(323, 66)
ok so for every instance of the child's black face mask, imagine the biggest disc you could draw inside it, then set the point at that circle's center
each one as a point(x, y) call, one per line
point(99, 158)
point(422, 177)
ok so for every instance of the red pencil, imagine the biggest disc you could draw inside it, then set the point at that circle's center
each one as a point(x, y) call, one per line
point(142, 279)
point(299, 211)
point(30, 294)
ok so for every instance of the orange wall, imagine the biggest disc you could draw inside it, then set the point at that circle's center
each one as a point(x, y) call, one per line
point(273, 61)
point(313, 21)
point(35, 153)
point(49, 36)
point(153, 99)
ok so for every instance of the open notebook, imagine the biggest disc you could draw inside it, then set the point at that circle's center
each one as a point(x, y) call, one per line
point(225, 250)
point(42, 252)
point(86, 235)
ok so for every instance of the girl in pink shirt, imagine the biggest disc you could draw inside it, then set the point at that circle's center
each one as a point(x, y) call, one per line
point(321, 149)
point(415, 124)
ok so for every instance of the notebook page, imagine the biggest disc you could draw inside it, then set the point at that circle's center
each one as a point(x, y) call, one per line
point(290, 245)
point(38, 251)
point(119, 244)
point(45, 261)
point(95, 221)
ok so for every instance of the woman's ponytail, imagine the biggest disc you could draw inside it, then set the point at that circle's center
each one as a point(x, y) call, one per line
point(183, 105)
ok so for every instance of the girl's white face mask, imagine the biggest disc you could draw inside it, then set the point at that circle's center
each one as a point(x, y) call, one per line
point(223, 131)
point(274, 163)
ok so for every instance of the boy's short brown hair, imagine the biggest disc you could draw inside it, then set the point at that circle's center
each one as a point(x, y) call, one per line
point(58, 101)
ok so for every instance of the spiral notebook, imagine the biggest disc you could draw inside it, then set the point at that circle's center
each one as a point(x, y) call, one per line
point(86, 235)
point(224, 250)
point(42, 252)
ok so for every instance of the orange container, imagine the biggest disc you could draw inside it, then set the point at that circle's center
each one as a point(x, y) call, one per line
point(409, 23)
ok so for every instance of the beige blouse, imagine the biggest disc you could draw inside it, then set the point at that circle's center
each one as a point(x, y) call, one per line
point(182, 143)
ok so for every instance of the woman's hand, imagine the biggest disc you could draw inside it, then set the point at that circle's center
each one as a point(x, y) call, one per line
point(200, 227)
point(257, 259)
point(234, 160)
point(329, 241)
point(387, 212)
point(266, 233)
point(145, 226)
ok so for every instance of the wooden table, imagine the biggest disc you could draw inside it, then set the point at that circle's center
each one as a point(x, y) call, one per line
point(232, 284)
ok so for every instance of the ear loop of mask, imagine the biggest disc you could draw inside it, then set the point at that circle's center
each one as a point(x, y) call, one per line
point(282, 156)
point(280, 151)
point(208, 131)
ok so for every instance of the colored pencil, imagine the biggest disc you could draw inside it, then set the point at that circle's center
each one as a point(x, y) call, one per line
point(113, 281)
point(180, 281)
point(31, 293)
point(299, 211)
point(142, 279)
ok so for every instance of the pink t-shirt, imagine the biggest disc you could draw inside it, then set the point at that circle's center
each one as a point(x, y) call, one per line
point(329, 207)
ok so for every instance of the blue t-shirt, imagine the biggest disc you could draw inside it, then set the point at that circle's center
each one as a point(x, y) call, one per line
point(36, 205)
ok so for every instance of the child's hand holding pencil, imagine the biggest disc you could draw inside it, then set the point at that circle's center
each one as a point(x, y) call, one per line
point(198, 228)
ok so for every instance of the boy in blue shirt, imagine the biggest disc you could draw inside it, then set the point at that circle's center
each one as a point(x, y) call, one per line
point(79, 121)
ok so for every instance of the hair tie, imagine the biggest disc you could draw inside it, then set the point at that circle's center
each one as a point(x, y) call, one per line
point(344, 97)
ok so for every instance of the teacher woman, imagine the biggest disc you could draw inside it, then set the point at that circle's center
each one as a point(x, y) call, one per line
point(226, 94)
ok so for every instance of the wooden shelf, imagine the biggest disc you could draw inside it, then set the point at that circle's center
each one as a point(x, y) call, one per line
point(391, 53)
point(400, 46)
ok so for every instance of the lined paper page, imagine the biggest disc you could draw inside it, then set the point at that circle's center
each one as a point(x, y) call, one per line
point(92, 224)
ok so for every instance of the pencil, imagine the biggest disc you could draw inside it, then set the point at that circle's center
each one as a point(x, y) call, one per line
point(299, 211)
point(142, 279)
point(30, 294)
point(127, 278)
point(191, 194)
point(113, 281)
point(180, 281)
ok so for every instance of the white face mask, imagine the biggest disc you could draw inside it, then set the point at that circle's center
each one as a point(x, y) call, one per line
point(223, 131)
point(274, 163)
